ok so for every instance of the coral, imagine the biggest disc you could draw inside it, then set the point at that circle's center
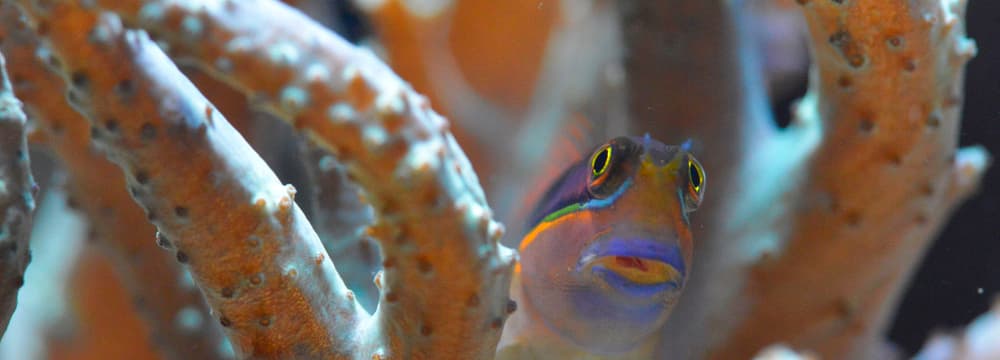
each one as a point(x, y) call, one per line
point(852, 233)
point(187, 167)
point(17, 197)
point(806, 236)
point(106, 203)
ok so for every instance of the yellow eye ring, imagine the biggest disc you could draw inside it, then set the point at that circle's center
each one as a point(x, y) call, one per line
point(696, 175)
point(601, 161)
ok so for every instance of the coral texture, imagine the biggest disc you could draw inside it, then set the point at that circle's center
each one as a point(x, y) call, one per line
point(175, 309)
point(855, 229)
point(188, 168)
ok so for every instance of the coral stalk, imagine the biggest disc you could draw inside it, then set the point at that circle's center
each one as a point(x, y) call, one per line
point(438, 239)
point(886, 92)
point(174, 308)
point(250, 249)
point(215, 203)
point(828, 216)
point(17, 198)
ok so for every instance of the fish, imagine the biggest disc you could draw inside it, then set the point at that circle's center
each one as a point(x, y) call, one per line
point(607, 253)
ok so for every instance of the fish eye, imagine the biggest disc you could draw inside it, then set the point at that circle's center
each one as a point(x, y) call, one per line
point(695, 174)
point(601, 161)
point(696, 184)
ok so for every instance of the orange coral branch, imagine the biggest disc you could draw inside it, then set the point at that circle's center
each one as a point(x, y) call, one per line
point(173, 308)
point(884, 177)
point(438, 239)
point(17, 198)
point(250, 249)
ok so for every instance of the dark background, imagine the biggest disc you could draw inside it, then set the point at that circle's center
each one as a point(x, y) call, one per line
point(958, 279)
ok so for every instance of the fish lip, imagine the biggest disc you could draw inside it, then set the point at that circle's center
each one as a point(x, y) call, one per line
point(628, 287)
point(636, 247)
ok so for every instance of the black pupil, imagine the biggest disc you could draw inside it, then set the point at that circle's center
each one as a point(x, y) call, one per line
point(600, 161)
point(695, 176)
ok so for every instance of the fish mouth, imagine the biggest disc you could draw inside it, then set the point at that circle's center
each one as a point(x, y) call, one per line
point(641, 271)
point(639, 267)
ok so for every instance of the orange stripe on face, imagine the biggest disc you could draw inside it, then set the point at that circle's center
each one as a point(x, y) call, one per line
point(530, 237)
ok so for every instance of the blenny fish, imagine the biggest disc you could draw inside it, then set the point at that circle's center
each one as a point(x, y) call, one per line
point(607, 254)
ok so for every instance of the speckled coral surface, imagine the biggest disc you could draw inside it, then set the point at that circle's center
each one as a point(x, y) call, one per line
point(220, 209)
point(437, 234)
point(173, 309)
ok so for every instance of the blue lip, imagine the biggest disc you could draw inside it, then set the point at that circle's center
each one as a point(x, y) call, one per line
point(640, 248)
point(639, 290)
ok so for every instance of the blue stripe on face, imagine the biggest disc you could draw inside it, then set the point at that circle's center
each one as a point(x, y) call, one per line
point(601, 203)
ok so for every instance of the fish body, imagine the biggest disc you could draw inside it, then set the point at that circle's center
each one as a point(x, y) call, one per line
point(608, 253)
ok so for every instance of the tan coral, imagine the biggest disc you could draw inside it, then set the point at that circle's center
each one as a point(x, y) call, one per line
point(215, 220)
point(102, 196)
point(421, 196)
point(881, 182)
point(869, 172)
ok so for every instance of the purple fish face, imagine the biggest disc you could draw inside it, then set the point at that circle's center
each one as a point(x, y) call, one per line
point(605, 272)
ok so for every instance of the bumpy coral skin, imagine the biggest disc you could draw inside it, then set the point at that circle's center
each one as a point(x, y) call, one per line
point(17, 198)
point(250, 250)
point(881, 181)
point(173, 308)
point(437, 236)
point(867, 174)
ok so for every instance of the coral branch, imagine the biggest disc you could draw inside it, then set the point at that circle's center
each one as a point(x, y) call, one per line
point(445, 276)
point(216, 204)
point(173, 308)
point(17, 198)
point(886, 94)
